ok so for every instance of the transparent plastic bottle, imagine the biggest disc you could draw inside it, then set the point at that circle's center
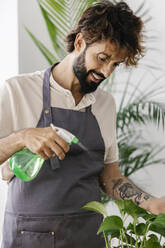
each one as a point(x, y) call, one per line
point(26, 164)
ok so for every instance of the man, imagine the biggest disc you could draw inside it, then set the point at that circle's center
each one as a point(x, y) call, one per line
point(47, 211)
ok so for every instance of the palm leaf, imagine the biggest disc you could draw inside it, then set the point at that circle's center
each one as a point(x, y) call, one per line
point(60, 17)
point(48, 55)
point(134, 156)
point(140, 113)
point(51, 28)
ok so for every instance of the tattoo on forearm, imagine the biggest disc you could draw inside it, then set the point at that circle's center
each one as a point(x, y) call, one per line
point(147, 196)
point(117, 183)
point(128, 191)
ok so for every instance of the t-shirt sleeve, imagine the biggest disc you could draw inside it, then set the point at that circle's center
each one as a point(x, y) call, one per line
point(6, 123)
point(111, 155)
point(6, 113)
point(111, 152)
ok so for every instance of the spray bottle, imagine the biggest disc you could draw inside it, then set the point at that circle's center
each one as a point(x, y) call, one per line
point(26, 165)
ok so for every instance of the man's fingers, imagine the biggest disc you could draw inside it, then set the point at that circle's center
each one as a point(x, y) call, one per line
point(49, 153)
point(61, 142)
point(46, 143)
point(43, 155)
point(58, 150)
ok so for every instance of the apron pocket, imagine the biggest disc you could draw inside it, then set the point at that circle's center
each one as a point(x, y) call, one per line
point(35, 232)
point(36, 239)
point(75, 230)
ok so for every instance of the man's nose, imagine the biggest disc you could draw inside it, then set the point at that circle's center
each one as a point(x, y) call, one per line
point(106, 70)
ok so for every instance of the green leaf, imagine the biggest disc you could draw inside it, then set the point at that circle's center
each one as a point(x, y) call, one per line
point(130, 227)
point(121, 206)
point(114, 234)
point(160, 220)
point(141, 229)
point(96, 207)
point(152, 244)
point(157, 229)
point(150, 217)
point(131, 157)
point(153, 237)
point(140, 112)
point(129, 239)
point(104, 198)
point(60, 18)
point(59, 14)
point(48, 55)
point(111, 223)
point(127, 206)
point(134, 156)
point(51, 28)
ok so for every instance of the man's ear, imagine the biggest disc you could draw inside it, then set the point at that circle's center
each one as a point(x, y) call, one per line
point(79, 43)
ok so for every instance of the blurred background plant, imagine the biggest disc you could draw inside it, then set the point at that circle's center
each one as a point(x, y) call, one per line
point(137, 91)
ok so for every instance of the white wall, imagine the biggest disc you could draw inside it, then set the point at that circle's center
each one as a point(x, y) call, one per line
point(29, 15)
point(9, 39)
point(8, 63)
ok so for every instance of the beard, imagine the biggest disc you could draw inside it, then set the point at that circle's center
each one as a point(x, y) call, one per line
point(81, 73)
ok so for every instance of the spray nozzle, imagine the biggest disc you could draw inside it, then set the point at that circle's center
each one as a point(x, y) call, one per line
point(66, 135)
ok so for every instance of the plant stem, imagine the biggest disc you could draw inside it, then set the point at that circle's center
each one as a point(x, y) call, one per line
point(137, 237)
point(109, 241)
point(106, 242)
point(121, 239)
point(144, 237)
point(131, 239)
point(160, 238)
point(124, 234)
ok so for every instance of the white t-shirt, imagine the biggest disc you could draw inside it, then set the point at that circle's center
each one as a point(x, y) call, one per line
point(21, 103)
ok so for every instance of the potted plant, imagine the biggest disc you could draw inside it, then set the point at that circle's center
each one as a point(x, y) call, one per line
point(133, 234)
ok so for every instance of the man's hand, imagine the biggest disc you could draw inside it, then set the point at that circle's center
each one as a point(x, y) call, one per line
point(154, 205)
point(45, 142)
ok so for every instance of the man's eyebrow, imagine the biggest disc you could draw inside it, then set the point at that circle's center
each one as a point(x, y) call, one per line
point(108, 56)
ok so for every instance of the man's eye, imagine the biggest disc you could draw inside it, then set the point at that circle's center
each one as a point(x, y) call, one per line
point(102, 59)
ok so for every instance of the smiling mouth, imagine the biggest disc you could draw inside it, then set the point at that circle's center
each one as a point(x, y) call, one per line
point(95, 77)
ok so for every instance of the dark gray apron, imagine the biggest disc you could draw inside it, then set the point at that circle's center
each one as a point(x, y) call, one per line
point(47, 211)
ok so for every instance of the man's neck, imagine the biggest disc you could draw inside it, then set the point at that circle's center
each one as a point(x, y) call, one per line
point(63, 74)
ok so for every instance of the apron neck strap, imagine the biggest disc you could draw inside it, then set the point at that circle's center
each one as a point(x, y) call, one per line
point(89, 108)
point(46, 96)
point(47, 99)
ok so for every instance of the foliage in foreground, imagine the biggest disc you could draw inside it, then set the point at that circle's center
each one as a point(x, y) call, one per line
point(137, 233)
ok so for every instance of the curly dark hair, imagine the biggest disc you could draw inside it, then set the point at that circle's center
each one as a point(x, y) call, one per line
point(113, 21)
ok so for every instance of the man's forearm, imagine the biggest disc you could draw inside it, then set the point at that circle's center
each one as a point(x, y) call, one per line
point(119, 187)
point(123, 188)
point(10, 145)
